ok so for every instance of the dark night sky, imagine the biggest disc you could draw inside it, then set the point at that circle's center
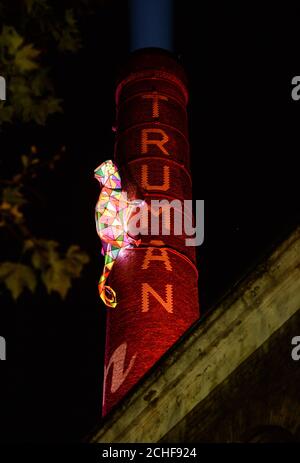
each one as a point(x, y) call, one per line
point(244, 140)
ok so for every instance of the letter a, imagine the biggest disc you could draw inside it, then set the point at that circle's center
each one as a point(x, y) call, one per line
point(162, 256)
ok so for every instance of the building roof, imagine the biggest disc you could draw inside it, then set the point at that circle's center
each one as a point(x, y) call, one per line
point(232, 374)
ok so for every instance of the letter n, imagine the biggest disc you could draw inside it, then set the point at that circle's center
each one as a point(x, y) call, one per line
point(167, 303)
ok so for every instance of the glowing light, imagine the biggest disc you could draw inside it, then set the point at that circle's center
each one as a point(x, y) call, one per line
point(157, 282)
point(113, 211)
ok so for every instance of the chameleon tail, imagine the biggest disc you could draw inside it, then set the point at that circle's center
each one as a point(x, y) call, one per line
point(107, 294)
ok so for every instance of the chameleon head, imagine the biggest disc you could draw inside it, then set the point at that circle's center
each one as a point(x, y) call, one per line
point(108, 175)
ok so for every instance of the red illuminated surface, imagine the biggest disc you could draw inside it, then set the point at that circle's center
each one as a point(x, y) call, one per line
point(157, 282)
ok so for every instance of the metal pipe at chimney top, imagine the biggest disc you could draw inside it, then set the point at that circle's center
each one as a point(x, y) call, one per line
point(151, 24)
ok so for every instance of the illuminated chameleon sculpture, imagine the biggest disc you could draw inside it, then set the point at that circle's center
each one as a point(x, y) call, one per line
point(113, 211)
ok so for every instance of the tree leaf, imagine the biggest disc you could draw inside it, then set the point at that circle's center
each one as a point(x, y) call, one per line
point(69, 37)
point(5, 269)
point(6, 112)
point(10, 39)
point(32, 5)
point(36, 260)
point(41, 111)
point(28, 245)
point(13, 196)
point(25, 160)
point(25, 58)
point(74, 253)
point(57, 279)
point(29, 4)
point(17, 277)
